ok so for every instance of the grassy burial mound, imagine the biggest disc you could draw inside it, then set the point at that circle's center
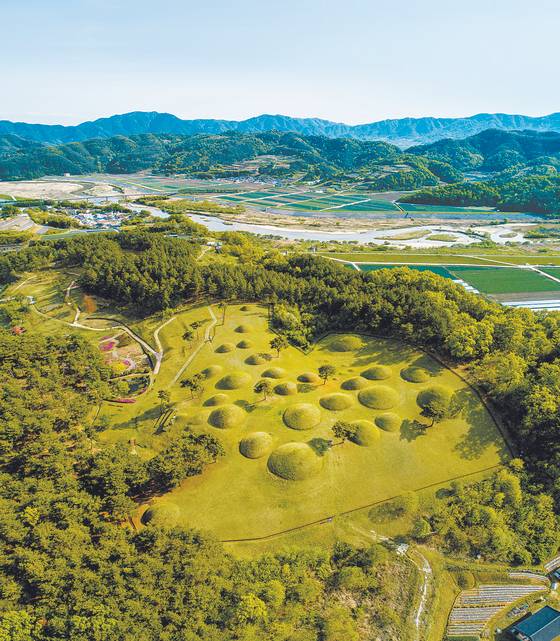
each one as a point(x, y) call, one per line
point(233, 381)
point(365, 433)
point(377, 373)
point(294, 462)
point(309, 377)
point(415, 374)
point(302, 416)
point(225, 348)
point(256, 445)
point(212, 371)
point(274, 372)
point(388, 422)
point(217, 399)
point(380, 397)
point(226, 417)
point(286, 389)
point(346, 344)
point(161, 515)
point(355, 383)
point(243, 329)
point(336, 402)
point(256, 359)
point(245, 344)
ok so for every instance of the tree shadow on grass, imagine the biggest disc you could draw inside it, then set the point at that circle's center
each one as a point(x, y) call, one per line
point(320, 445)
point(430, 364)
point(382, 353)
point(151, 415)
point(248, 407)
point(411, 430)
point(482, 432)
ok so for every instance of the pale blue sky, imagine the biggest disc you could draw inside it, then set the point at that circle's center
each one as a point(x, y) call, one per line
point(351, 60)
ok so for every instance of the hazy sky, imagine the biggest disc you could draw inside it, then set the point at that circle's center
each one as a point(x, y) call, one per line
point(65, 61)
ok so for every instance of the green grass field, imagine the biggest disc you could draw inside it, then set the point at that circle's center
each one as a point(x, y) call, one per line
point(471, 257)
point(242, 497)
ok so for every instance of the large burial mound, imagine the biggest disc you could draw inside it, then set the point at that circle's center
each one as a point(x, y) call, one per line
point(255, 445)
point(161, 515)
point(294, 462)
point(235, 380)
point(415, 374)
point(377, 373)
point(308, 377)
point(379, 397)
point(345, 344)
point(336, 402)
point(436, 394)
point(365, 433)
point(225, 347)
point(286, 389)
point(389, 421)
point(274, 372)
point(245, 344)
point(218, 399)
point(212, 370)
point(226, 417)
point(356, 383)
point(302, 416)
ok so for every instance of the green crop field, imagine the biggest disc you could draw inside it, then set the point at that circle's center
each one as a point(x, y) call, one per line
point(505, 280)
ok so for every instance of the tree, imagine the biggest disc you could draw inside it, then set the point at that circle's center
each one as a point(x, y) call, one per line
point(279, 343)
point(188, 334)
point(223, 306)
point(196, 325)
point(326, 371)
point(343, 431)
point(194, 384)
point(164, 398)
point(264, 387)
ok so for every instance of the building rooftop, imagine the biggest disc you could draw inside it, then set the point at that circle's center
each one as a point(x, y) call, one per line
point(543, 625)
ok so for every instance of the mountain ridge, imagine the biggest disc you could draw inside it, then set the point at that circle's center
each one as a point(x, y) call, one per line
point(403, 132)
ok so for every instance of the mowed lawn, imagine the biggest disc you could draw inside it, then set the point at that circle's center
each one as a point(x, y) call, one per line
point(239, 497)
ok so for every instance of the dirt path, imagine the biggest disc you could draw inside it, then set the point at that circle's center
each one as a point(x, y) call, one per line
point(421, 562)
point(190, 359)
point(159, 354)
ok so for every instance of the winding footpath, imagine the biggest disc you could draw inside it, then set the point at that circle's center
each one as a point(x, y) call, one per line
point(190, 359)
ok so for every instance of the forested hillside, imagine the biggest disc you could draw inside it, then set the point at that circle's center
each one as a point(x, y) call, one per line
point(402, 132)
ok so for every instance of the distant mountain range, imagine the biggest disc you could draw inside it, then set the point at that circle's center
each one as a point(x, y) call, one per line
point(403, 132)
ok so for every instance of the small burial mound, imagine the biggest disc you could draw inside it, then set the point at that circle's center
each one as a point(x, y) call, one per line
point(225, 347)
point(226, 417)
point(245, 308)
point(436, 394)
point(336, 402)
point(255, 359)
point(163, 515)
point(286, 389)
point(235, 380)
point(243, 329)
point(308, 377)
point(380, 397)
point(302, 416)
point(212, 370)
point(377, 373)
point(217, 399)
point(244, 344)
point(358, 382)
point(274, 372)
point(365, 433)
point(388, 422)
point(415, 374)
point(255, 445)
point(294, 462)
point(345, 344)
